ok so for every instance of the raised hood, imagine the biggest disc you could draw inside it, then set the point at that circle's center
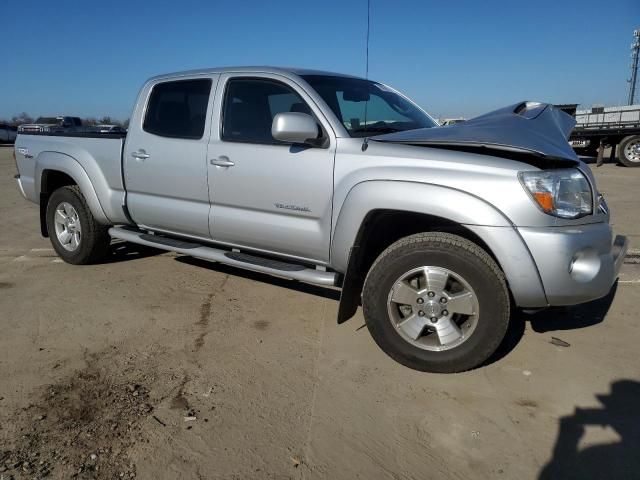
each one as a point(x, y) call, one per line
point(533, 128)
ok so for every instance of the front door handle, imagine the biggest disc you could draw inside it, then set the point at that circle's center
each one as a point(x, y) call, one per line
point(222, 161)
point(140, 155)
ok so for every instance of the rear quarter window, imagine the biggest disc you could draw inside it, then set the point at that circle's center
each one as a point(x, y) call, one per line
point(178, 109)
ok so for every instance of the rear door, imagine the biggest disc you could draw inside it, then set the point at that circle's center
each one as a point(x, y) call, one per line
point(165, 156)
point(265, 194)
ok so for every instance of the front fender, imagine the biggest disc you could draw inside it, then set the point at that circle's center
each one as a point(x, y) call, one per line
point(436, 200)
point(489, 223)
point(70, 166)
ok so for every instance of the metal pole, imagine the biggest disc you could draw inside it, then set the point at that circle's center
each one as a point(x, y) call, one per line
point(635, 51)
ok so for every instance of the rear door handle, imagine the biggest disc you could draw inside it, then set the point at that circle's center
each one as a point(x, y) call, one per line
point(140, 155)
point(222, 161)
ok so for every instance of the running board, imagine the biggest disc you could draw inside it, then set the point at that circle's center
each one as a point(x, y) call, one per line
point(236, 259)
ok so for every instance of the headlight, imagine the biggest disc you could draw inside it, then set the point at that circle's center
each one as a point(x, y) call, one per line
point(563, 193)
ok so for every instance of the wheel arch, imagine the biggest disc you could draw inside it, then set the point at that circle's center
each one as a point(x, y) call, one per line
point(55, 170)
point(426, 200)
point(385, 226)
point(365, 228)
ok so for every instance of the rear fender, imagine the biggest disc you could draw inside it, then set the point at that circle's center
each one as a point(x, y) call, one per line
point(66, 164)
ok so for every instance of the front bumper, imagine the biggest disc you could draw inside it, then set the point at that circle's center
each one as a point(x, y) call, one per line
point(577, 264)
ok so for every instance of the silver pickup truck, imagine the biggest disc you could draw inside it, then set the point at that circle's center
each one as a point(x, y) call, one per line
point(439, 232)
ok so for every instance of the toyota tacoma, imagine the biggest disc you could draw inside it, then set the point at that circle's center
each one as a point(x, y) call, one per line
point(438, 232)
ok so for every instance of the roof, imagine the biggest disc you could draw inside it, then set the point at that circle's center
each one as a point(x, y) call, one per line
point(255, 69)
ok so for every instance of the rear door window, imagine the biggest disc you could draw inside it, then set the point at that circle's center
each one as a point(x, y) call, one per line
point(178, 109)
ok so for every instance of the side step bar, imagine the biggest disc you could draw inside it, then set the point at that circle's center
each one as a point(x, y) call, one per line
point(235, 259)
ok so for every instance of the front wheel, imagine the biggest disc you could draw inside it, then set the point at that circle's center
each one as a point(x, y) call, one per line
point(436, 302)
point(75, 235)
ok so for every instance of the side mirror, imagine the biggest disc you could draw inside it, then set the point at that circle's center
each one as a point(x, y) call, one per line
point(295, 127)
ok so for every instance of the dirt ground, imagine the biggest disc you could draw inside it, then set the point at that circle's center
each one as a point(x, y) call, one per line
point(153, 365)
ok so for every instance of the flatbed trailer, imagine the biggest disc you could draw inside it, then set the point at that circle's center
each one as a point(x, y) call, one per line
point(602, 127)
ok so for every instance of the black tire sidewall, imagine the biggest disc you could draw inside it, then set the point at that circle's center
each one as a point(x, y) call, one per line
point(490, 290)
point(80, 255)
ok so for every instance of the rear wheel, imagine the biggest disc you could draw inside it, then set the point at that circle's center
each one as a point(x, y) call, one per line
point(75, 235)
point(629, 151)
point(436, 302)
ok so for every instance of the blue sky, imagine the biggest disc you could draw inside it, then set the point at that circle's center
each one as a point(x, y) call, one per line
point(453, 58)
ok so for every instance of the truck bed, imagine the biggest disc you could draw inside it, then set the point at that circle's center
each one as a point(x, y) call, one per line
point(609, 119)
point(606, 126)
point(604, 116)
point(97, 161)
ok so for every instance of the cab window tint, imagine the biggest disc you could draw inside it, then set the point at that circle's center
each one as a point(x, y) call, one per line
point(366, 108)
point(250, 106)
point(353, 113)
point(178, 109)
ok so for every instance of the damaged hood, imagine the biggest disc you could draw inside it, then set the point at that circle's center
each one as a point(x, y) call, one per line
point(532, 128)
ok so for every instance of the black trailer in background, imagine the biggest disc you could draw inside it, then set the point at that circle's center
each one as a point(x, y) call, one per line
point(602, 127)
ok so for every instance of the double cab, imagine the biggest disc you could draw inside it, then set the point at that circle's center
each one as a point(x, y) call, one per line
point(438, 232)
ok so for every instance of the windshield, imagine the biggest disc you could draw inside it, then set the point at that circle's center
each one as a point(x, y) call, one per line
point(351, 99)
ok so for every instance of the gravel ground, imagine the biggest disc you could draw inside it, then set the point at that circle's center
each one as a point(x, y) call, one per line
point(153, 365)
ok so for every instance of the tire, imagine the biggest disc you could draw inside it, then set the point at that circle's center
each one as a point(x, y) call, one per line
point(91, 239)
point(629, 151)
point(473, 276)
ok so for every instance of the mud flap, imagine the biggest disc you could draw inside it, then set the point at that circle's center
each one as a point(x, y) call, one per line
point(44, 200)
point(351, 288)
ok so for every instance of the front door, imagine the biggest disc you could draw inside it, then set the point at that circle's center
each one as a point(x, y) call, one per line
point(165, 156)
point(265, 194)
